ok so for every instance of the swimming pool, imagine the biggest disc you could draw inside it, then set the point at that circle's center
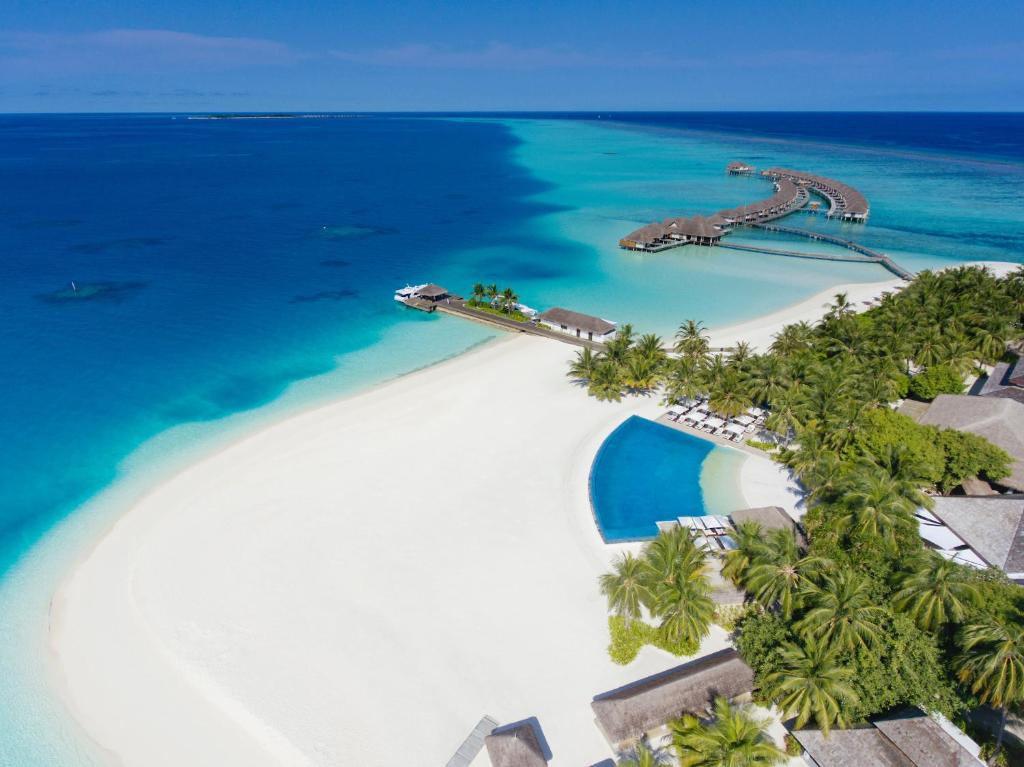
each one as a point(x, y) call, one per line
point(646, 472)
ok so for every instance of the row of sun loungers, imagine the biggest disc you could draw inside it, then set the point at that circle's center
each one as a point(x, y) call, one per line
point(698, 415)
point(710, 531)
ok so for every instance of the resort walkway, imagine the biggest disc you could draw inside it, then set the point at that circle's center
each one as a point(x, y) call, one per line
point(473, 743)
point(459, 308)
point(872, 255)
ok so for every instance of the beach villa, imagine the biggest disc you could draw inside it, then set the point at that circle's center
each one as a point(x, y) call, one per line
point(978, 531)
point(577, 324)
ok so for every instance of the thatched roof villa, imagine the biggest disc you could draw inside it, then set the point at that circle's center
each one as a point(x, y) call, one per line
point(998, 419)
point(626, 714)
point(908, 738)
point(1005, 381)
point(515, 746)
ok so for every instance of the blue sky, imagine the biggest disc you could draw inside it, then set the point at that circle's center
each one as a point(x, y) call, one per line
point(201, 55)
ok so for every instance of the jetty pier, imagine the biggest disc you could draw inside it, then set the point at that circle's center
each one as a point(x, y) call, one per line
point(793, 191)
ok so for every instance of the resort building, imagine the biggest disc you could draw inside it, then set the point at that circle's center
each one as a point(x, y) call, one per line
point(576, 324)
point(645, 707)
point(1000, 420)
point(844, 201)
point(769, 518)
point(515, 746)
point(739, 168)
point(1005, 380)
point(909, 738)
point(978, 531)
point(700, 230)
point(432, 292)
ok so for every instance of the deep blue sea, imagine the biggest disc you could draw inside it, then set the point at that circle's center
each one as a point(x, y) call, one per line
point(168, 283)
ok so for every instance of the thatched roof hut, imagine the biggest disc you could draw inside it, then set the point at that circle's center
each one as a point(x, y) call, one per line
point(627, 713)
point(432, 292)
point(516, 746)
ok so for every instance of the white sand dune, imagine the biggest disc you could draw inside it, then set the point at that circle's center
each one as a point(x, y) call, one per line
point(359, 584)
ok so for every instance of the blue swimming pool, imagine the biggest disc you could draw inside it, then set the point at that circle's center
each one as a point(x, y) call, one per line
point(645, 473)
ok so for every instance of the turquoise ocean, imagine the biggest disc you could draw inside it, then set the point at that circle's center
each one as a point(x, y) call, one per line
point(228, 273)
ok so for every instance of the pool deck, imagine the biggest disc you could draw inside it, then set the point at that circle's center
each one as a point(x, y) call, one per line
point(664, 420)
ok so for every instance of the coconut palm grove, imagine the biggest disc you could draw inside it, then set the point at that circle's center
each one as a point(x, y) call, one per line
point(854, 617)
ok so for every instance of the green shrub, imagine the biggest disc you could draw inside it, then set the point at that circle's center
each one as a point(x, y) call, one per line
point(727, 616)
point(793, 747)
point(936, 380)
point(969, 455)
point(766, 446)
point(901, 385)
point(626, 639)
point(681, 647)
point(885, 429)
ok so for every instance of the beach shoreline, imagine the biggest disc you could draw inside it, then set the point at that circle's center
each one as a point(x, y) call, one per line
point(218, 655)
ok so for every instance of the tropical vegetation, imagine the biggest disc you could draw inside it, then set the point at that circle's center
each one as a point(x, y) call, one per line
point(857, 617)
point(733, 738)
point(488, 298)
point(661, 597)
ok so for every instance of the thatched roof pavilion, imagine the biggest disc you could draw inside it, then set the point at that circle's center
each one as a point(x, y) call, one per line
point(627, 713)
point(516, 746)
point(432, 292)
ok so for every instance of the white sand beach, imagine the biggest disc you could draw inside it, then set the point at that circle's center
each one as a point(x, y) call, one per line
point(361, 583)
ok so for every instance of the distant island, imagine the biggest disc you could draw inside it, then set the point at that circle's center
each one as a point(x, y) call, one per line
point(269, 116)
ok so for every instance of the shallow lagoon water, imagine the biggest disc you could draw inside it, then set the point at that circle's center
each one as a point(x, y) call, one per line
point(236, 272)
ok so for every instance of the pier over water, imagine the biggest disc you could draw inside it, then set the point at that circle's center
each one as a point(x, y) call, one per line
point(793, 190)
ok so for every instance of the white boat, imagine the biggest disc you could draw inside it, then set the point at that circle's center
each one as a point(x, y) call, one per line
point(404, 294)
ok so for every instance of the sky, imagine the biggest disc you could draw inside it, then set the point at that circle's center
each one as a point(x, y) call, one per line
point(378, 55)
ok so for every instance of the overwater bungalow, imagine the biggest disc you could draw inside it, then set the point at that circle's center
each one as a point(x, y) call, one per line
point(645, 707)
point(432, 292)
point(737, 168)
point(577, 324)
point(845, 202)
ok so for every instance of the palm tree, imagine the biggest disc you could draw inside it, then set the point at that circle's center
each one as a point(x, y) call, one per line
point(812, 685)
point(626, 587)
point(749, 543)
point(685, 379)
point(642, 755)
point(992, 663)
point(733, 739)
point(842, 612)
point(685, 609)
point(491, 292)
point(640, 373)
point(880, 506)
point(651, 347)
point(509, 299)
point(728, 394)
point(582, 368)
point(765, 378)
point(692, 340)
point(792, 339)
point(740, 353)
point(606, 382)
point(936, 592)
point(779, 573)
point(479, 291)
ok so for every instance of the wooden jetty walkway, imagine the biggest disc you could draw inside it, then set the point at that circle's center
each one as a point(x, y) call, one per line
point(872, 255)
point(458, 308)
point(799, 253)
point(473, 744)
